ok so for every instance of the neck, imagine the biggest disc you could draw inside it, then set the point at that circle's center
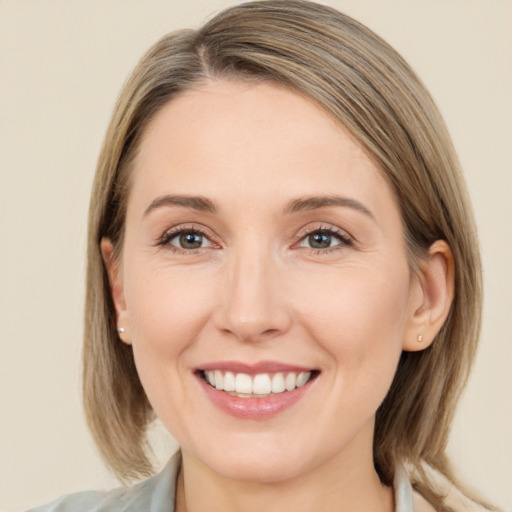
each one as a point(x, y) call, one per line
point(343, 483)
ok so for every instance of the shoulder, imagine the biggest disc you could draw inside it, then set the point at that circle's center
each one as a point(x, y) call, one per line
point(85, 501)
point(118, 500)
point(155, 494)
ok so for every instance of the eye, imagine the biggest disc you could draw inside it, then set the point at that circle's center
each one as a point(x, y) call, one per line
point(185, 240)
point(325, 238)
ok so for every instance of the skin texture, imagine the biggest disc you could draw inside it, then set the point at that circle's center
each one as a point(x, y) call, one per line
point(256, 290)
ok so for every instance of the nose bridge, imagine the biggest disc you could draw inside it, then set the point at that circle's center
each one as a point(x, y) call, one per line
point(253, 306)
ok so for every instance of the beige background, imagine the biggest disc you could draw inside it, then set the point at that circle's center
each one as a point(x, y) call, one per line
point(62, 64)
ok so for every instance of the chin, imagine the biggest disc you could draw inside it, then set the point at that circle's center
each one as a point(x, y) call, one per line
point(261, 471)
point(253, 461)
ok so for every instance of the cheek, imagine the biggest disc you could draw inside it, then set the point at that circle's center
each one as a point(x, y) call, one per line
point(355, 299)
point(359, 316)
point(167, 309)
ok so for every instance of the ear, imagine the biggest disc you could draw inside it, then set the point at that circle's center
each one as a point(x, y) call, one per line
point(115, 280)
point(431, 296)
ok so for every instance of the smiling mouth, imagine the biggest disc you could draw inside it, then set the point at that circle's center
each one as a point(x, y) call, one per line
point(260, 385)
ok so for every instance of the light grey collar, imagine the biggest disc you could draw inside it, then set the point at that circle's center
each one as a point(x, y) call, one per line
point(403, 490)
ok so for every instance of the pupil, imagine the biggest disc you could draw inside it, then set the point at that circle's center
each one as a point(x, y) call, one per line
point(320, 240)
point(191, 240)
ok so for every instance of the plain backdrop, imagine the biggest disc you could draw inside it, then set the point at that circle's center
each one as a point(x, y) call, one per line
point(62, 64)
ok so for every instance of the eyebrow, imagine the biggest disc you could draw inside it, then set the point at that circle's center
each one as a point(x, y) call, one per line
point(317, 202)
point(203, 204)
point(199, 203)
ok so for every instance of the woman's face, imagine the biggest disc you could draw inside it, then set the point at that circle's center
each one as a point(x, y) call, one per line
point(263, 252)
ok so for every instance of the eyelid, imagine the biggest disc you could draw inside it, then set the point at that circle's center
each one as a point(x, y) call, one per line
point(163, 240)
point(344, 236)
point(174, 231)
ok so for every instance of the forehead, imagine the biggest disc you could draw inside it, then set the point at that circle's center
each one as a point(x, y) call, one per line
point(250, 140)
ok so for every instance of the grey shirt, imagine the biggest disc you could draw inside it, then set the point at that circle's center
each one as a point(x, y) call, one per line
point(156, 494)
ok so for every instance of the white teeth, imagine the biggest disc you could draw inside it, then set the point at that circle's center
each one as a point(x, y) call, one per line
point(301, 379)
point(243, 383)
point(278, 383)
point(210, 377)
point(219, 381)
point(262, 384)
point(290, 381)
point(229, 381)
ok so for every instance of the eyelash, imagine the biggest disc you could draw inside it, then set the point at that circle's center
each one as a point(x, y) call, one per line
point(344, 239)
point(175, 232)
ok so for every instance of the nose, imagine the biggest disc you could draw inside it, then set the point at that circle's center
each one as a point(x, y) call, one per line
point(253, 303)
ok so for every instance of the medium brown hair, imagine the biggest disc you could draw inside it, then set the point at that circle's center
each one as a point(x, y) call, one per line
point(365, 84)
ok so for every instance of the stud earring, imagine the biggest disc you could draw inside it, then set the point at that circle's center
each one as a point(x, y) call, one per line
point(120, 330)
point(420, 338)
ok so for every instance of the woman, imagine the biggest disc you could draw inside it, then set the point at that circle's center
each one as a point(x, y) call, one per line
point(283, 267)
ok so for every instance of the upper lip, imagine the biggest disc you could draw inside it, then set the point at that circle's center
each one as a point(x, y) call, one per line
point(254, 368)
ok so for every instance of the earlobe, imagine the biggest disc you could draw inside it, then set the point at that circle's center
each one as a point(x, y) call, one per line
point(116, 289)
point(431, 297)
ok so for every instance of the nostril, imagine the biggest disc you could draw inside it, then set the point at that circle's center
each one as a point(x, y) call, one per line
point(261, 336)
point(270, 333)
point(251, 332)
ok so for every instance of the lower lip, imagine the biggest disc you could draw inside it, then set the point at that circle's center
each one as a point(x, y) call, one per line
point(254, 408)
